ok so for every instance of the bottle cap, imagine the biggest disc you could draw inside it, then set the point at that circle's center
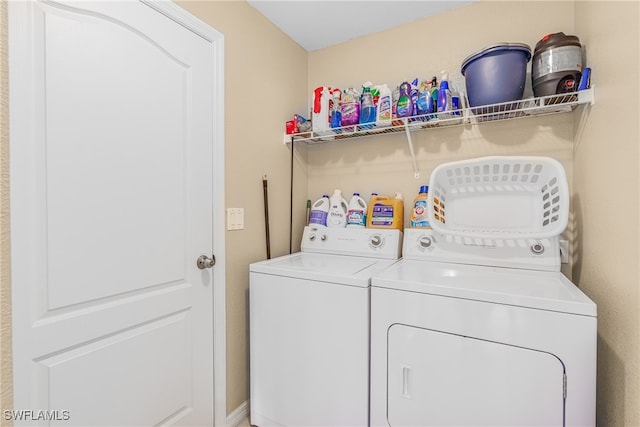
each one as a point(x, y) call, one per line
point(424, 188)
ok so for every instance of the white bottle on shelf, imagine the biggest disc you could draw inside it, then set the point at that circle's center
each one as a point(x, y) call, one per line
point(357, 213)
point(338, 208)
point(384, 107)
point(319, 212)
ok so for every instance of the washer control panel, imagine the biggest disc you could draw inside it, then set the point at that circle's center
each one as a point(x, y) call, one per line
point(376, 243)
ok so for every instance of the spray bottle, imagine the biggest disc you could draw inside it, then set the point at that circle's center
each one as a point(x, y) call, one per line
point(444, 96)
point(434, 94)
point(425, 102)
point(367, 107)
point(350, 107)
point(335, 107)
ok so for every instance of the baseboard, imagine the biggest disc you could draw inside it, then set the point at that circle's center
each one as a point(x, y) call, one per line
point(238, 415)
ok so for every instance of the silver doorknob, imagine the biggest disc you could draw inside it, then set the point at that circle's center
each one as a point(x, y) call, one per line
point(206, 262)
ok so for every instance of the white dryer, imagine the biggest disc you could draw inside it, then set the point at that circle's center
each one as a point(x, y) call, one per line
point(470, 345)
point(476, 325)
point(309, 328)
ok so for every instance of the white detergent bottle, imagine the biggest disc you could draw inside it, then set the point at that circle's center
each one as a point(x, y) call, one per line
point(385, 105)
point(338, 208)
point(357, 213)
point(319, 212)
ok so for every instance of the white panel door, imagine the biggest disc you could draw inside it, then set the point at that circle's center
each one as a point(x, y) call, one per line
point(112, 198)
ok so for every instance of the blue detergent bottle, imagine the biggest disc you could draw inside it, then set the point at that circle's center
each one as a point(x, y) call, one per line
point(424, 104)
point(367, 107)
point(335, 107)
point(444, 96)
point(414, 96)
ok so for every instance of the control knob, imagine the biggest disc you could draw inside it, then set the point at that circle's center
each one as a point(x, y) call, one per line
point(376, 241)
point(425, 242)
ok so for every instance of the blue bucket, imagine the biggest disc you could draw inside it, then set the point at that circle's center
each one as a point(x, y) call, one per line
point(496, 74)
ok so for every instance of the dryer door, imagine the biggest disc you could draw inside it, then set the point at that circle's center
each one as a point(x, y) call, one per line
point(442, 379)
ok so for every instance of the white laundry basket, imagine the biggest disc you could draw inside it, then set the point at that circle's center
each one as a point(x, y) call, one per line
point(499, 198)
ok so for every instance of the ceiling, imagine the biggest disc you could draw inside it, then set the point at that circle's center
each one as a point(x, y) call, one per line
point(315, 24)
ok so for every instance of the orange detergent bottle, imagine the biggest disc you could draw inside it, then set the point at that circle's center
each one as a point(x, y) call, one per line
point(386, 212)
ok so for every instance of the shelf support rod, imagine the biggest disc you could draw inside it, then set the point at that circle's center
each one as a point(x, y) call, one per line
point(416, 172)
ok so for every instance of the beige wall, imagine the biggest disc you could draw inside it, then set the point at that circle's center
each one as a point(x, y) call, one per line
point(606, 201)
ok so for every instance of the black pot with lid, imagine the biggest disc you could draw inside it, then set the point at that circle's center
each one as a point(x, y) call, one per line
point(556, 67)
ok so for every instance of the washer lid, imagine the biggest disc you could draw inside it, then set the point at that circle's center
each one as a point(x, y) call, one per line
point(546, 290)
point(339, 269)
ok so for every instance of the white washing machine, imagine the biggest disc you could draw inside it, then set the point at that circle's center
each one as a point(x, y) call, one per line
point(309, 328)
point(457, 344)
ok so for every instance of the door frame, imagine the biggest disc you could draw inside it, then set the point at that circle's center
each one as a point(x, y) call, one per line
point(216, 42)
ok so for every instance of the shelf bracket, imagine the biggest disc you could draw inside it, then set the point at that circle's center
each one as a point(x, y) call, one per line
point(416, 172)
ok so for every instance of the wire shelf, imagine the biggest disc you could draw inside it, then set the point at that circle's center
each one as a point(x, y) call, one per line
point(530, 107)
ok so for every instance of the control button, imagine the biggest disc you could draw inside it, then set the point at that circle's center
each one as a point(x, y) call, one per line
point(425, 242)
point(312, 237)
point(323, 237)
point(537, 248)
point(376, 241)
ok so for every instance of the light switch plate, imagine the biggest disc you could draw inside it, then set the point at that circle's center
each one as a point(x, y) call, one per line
point(235, 218)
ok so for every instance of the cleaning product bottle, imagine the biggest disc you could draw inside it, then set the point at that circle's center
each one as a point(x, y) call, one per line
point(405, 106)
point(375, 93)
point(383, 113)
point(350, 107)
point(444, 96)
point(367, 108)
point(335, 108)
point(338, 208)
point(319, 211)
point(434, 95)
point(357, 214)
point(424, 104)
point(394, 107)
point(398, 217)
point(456, 104)
point(386, 212)
point(374, 211)
point(414, 96)
point(419, 217)
point(321, 116)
